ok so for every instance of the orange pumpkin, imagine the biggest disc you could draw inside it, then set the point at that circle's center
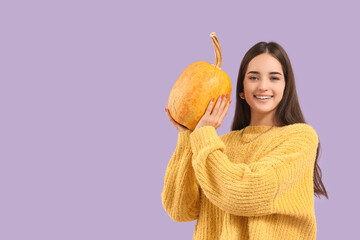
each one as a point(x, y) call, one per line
point(196, 86)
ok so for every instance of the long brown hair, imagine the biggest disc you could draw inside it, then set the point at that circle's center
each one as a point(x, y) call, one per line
point(288, 110)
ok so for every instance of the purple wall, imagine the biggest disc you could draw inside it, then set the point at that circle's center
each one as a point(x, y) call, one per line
point(85, 140)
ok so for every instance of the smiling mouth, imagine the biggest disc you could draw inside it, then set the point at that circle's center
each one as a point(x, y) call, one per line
point(263, 98)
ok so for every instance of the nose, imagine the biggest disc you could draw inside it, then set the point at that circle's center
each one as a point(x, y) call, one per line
point(263, 85)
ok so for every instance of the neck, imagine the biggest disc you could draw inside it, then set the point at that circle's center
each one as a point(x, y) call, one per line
point(262, 119)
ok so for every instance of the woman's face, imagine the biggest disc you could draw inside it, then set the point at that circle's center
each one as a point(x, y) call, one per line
point(263, 77)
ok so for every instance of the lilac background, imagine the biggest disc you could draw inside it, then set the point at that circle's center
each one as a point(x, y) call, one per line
point(85, 140)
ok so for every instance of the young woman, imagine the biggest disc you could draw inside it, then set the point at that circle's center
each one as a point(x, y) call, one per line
point(257, 181)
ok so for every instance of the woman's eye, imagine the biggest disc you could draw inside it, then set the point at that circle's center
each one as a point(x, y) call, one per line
point(252, 78)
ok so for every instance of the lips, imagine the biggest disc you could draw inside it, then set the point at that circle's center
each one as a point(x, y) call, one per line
point(263, 96)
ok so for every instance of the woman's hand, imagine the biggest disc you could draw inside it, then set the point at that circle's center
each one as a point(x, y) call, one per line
point(178, 126)
point(215, 118)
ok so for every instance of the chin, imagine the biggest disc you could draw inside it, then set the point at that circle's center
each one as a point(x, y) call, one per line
point(264, 110)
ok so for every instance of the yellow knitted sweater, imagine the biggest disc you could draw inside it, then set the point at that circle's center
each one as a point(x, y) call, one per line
point(258, 190)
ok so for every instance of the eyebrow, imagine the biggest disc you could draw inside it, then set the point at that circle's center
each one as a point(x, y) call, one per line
point(259, 73)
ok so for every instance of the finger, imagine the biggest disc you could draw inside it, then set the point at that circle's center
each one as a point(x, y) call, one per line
point(172, 120)
point(169, 115)
point(210, 105)
point(222, 105)
point(215, 111)
point(226, 109)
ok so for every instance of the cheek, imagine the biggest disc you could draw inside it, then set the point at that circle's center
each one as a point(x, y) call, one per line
point(280, 91)
point(279, 97)
point(248, 90)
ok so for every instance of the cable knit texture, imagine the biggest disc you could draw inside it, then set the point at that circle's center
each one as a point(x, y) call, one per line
point(235, 190)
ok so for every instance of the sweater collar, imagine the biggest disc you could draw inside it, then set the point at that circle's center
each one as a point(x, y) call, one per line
point(257, 129)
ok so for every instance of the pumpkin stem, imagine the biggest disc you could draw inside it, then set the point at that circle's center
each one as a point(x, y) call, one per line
point(218, 58)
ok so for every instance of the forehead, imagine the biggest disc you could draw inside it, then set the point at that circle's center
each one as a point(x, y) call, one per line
point(264, 63)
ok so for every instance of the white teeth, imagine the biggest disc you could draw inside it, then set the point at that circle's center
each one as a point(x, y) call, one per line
point(264, 97)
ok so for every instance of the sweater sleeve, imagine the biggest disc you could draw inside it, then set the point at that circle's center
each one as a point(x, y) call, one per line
point(251, 189)
point(181, 193)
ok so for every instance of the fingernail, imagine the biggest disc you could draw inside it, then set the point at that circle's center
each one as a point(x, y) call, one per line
point(230, 101)
point(222, 96)
point(227, 95)
point(165, 110)
point(213, 99)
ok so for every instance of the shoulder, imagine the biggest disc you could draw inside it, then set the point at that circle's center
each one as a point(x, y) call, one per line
point(302, 131)
point(299, 128)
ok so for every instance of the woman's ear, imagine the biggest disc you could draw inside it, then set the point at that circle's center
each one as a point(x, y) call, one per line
point(241, 94)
